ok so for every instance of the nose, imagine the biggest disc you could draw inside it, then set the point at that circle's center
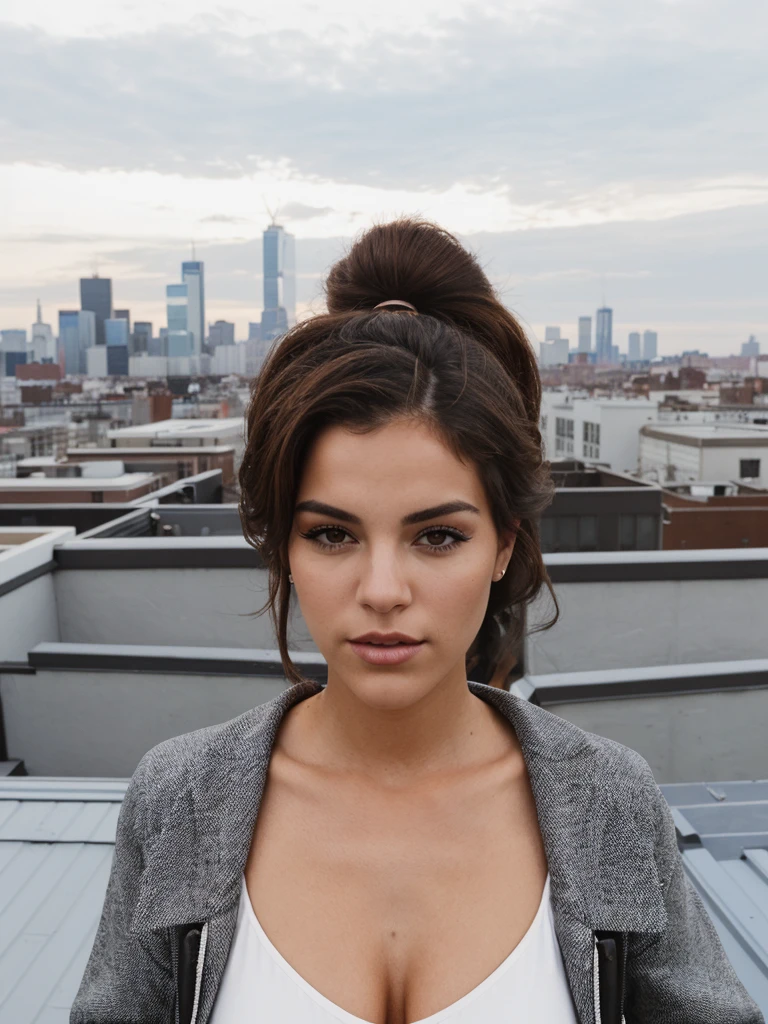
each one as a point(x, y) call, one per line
point(383, 584)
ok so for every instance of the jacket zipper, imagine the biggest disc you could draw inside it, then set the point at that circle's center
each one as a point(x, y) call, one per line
point(199, 972)
point(596, 980)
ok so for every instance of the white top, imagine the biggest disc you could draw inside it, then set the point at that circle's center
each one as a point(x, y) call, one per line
point(259, 985)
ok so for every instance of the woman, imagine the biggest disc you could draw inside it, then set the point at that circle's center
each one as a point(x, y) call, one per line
point(401, 846)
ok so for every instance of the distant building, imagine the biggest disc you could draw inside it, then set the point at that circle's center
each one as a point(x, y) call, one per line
point(193, 276)
point(13, 351)
point(77, 333)
point(634, 352)
point(96, 296)
point(123, 314)
point(585, 334)
point(596, 510)
point(279, 282)
point(551, 334)
point(595, 430)
point(116, 333)
point(553, 353)
point(650, 344)
point(221, 333)
point(96, 361)
point(43, 343)
point(604, 335)
point(179, 337)
point(751, 347)
point(141, 338)
point(229, 359)
point(684, 453)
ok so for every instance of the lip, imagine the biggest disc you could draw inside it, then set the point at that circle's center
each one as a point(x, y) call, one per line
point(374, 637)
point(385, 655)
point(406, 647)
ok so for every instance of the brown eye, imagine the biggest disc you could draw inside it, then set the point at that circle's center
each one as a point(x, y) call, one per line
point(335, 536)
point(436, 537)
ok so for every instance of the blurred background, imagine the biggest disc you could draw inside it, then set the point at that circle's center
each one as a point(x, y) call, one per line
point(176, 179)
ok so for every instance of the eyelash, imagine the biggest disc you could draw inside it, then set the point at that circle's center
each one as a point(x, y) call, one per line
point(450, 531)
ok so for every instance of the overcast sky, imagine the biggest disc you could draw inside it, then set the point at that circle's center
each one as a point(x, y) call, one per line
point(586, 149)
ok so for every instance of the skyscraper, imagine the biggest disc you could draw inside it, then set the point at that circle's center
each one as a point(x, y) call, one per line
point(633, 348)
point(116, 333)
point(142, 337)
point(77, 333)
point(551, 334)
point(179, 337)
point(279, 282)
point(221, 333)
point(43, 342)
point(193, 276)
point(96, 296)
point(585, 334)
point(650, 344)
point(604, 335)
point(751, 347)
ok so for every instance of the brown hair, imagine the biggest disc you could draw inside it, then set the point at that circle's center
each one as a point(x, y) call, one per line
point(462, 364)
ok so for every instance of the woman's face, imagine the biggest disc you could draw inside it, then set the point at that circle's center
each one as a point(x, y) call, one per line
point(392, 534)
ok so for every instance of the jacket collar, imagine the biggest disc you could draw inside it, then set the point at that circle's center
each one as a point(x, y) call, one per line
point(598, 835)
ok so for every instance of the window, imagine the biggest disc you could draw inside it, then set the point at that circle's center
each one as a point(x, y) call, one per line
point(569, 533)
point(647, 533)
point(591, 440)
point(626, 533)
point(749, 468)
point(563, 435)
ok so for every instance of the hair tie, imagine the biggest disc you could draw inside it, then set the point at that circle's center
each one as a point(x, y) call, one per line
point(398, 302)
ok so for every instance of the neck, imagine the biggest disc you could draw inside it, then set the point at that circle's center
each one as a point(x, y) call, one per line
point(447, 728)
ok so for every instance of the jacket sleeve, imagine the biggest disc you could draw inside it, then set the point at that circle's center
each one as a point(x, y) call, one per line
point(682, 975)
point(128, 978)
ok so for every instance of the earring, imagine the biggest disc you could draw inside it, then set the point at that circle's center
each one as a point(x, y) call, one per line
point(290, 579)
point(499, 576)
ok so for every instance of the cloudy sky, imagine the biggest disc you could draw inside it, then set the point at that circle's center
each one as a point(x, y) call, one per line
point(586, 149)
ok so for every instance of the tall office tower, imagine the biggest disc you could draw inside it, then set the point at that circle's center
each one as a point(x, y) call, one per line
point(650, 344)
point(193, 276)
point(43, 342)
point(141, 338)
point(585, 334)
point(77, 333)
point(13, 351)
point(751, 347)
point(116, 334)
point(123, 314)
point(279, 282)
point(96, 296)
point(179, 336)
point(604, 335)
point(221, 333)
point(633, 349)
point(551, 334)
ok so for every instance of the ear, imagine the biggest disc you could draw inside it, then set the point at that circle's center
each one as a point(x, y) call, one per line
point(506, 545)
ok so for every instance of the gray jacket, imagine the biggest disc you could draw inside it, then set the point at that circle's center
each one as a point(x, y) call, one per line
point(187, 820)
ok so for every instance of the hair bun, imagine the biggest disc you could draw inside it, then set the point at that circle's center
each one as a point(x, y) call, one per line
point(421, 263)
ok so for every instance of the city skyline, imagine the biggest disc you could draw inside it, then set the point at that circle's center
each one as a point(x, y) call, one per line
point(629, 170)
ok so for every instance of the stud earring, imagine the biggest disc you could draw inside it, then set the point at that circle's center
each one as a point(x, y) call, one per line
point(290, 579)
point(499, 576)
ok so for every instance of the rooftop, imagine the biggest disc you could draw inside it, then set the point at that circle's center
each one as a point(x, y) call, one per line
point(123, 482)
point(181, 428)
point(709, 434)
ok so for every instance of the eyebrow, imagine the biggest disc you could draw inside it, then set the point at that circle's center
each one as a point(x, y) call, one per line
point(422, 516)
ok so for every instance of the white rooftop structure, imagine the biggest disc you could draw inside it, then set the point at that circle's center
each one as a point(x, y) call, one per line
point(194, 431)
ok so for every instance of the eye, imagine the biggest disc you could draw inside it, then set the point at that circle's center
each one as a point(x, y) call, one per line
point(437, 535)
point(334, 536)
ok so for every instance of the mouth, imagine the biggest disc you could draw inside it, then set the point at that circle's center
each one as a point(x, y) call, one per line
point(380, 649)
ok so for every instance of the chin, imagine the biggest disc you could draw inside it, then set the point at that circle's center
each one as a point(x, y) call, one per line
point(389, 689)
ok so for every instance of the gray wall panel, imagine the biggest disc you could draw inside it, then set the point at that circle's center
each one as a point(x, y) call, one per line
point(28, 616)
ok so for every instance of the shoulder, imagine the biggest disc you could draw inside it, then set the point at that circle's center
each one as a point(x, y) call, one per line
point(204, 759)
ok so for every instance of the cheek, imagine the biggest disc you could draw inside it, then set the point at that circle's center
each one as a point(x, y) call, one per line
point(457, 606)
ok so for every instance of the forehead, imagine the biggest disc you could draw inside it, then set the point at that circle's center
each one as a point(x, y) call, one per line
point(401, 467)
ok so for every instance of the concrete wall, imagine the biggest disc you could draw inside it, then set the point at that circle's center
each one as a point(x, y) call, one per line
point(28, 615)
point(83, 723)
point(655, 622)
point(688, 737)
point(175, 606)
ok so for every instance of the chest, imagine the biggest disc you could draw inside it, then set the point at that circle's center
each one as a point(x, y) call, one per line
point(394, 905)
